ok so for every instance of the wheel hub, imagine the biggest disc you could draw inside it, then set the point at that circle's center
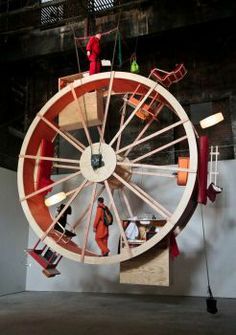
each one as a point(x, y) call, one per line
point(98, 162)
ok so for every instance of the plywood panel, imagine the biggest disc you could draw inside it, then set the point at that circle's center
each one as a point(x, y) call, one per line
point(150, 268)
point(91, 106)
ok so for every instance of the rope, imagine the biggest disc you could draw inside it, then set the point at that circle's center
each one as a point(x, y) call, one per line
point(84, 38)
point(121, 203)
point(76, 50)
point(119, 51)
point(79, 69)
point(114, 49)
point(205, 252)
point(136, 45)
point(112, 65)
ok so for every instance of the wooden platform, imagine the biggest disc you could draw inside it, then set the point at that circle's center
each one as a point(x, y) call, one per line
point(51, 272)
point(150, 268)
point(64, 81)
point(91, 106)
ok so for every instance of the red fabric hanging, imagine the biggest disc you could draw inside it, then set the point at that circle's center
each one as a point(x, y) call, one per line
point(174, 249)
point(203, 149)
point(45, 167)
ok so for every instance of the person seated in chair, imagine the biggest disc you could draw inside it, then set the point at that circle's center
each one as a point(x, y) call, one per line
point(63, 221)
point(132, 231)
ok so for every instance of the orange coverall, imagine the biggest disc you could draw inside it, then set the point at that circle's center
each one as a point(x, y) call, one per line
point(94, 47)
point(101, 229)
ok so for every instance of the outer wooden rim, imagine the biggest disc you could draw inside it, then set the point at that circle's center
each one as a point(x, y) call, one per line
point(36, 212)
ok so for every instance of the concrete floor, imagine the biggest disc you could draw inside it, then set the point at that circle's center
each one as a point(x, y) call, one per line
point(62, 313)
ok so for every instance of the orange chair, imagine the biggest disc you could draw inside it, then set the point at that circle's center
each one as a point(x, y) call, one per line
point(162, 77)
point(182, 176)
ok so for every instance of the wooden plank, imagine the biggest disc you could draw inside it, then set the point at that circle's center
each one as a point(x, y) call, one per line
point(51, 272)
point(64, 81)
point(91, 106)
point(150, 268)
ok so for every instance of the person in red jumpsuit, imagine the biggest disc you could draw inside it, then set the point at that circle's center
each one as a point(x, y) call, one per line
point(93, 53)
point(100, 229)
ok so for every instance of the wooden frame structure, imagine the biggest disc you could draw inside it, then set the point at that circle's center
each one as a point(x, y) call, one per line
point(45, 126)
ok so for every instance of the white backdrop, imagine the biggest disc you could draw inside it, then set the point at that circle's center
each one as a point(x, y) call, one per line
point(189, 271)
point(13, 236)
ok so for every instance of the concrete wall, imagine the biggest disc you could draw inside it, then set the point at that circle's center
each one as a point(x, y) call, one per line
point(189, 271)
point(13, 236)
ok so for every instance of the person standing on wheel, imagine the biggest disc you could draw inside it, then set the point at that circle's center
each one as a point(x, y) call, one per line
point(100, 229)
point(93, 49)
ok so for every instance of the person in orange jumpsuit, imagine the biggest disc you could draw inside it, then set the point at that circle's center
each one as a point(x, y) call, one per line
point(100, 229)
point(93, 53)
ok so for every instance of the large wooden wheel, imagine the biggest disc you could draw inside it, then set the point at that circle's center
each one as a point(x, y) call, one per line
point(122, 164)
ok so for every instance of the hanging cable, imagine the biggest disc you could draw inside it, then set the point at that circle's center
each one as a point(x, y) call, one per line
point(121, 203)
point(111, 75)
point(204, 246)
point(77, 40)
point(112, 66)
point(116, 37)
point(119, 51)
point(210, 301)
point(76, 49)
point(79, 70)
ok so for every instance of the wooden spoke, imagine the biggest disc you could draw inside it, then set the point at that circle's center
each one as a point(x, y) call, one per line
point(157, 111)
point(60, 132)
point(100, 133)
point(70, 167)
point(122, 233)
point(127, 203)
point(159, 149)
point(107, 104)
point(156, 167)
point(122, 119)
point(141, 196)
point(162, 208)
point(75, 189)
point(147, 138)
point(133, 113)
point(85, 212)
point(74, 139)
point(62, 180)
point(53, 159)
point(76, 193)
point(157, 174)
point(88, 221)
point(81, 113)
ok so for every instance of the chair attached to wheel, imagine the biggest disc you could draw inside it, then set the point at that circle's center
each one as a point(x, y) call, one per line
point(149, 109)
point(46, 258)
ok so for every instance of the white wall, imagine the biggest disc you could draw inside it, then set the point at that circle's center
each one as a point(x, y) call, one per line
point(189, 272)
point(13, 236)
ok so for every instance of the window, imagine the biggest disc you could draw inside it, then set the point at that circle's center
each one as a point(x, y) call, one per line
point(52, 13)
point(97, 5)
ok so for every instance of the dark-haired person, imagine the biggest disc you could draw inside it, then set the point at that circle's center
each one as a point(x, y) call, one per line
point(63, 221)
point(100, 229)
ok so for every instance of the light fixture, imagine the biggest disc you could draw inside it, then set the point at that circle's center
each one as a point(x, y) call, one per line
point(55, 199)
point(106, 62)
point(211, 120)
